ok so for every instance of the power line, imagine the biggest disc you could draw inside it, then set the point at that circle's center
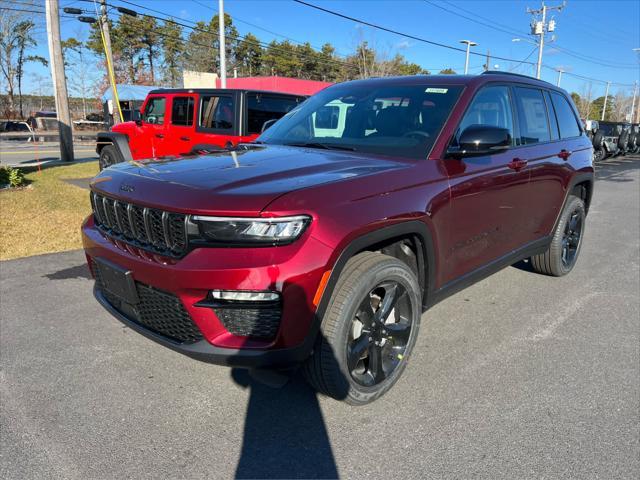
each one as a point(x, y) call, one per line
point(413, 37)
point(396, 32)
point(510, 32)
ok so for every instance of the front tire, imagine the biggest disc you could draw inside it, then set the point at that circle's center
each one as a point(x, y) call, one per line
point(562, 254)
point(108, 156)
point(368, 331)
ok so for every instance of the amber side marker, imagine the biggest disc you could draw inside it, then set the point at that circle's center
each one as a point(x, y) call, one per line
point(321, 287)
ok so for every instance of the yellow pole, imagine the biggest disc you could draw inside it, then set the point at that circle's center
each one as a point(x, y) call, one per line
point(112, 76)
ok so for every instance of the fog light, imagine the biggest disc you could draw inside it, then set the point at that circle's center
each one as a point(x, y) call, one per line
point(244, 296)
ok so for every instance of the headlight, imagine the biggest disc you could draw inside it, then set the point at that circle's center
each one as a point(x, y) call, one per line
point(234, 230)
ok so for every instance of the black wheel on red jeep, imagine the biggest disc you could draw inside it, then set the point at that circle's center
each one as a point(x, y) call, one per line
point(368, 331)
point(108, 156)
point(598, 154)
point(562, 254)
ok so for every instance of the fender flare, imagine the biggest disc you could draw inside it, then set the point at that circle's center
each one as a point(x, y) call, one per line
point(579, 177)
point(426, 259)
point(119, 140)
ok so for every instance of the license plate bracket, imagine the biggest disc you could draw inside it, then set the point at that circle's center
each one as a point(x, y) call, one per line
point(118, 281)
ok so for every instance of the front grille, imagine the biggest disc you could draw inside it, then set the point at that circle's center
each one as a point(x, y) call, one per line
point(158, 311)
point(262, 323)
point(147, 228)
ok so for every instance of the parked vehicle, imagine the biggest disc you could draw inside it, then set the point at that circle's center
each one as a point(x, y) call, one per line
point(592, 129)
point(634, 138)
point(611, 132)
point(174, 122)
point(321, 248)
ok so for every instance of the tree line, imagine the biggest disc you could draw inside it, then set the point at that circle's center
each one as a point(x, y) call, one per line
point(148, 51)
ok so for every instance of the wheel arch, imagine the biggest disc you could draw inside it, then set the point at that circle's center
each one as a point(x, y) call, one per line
point(390, 240)
point(120, 142)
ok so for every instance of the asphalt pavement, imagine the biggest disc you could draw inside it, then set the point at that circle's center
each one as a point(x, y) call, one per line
point(519, 376)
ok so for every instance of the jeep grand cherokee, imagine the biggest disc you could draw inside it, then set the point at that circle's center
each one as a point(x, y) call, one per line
point(323, 242)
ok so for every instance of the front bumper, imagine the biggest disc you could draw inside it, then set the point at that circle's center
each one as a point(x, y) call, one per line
point(293, 270)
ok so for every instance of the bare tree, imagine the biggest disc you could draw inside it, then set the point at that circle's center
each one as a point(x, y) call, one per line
point(76, 56)
point(16, 38)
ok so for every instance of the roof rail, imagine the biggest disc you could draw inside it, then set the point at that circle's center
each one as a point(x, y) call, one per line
point(511, 74)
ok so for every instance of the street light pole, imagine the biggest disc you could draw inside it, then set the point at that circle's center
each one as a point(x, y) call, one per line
point(223, 60)
point(466, 61)
point(560, 72)
point(633, 103)
point(606, 96)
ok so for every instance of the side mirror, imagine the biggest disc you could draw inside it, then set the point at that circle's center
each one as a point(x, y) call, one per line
point(478, 140)
point(266, 125)
point(137, 116)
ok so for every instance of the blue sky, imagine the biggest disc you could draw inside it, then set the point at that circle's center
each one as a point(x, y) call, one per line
point(605, 31)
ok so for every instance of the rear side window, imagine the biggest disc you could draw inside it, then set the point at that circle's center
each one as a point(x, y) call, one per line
point(566, 118)
point(532, 116)
point(491, 106)
point(154, 110)
point(216, 112)
point(182, 111)
point(553, 122)
point(261, 107)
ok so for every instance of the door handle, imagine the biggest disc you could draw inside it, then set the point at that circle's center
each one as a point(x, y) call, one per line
point(160, 135)
point(186, 139)
point(565, 154)
point(517, 164)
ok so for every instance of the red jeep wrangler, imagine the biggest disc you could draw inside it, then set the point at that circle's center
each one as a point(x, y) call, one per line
point(176, 121)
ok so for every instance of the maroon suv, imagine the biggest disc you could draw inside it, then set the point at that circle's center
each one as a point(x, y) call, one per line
point(324, 241)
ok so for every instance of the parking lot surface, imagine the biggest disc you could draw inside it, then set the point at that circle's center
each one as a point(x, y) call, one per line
point(519, 376)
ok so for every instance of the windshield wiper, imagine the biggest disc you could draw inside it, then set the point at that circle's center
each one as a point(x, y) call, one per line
point(326, 146)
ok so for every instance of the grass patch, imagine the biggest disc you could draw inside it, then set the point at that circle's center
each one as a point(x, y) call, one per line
point(46, 216)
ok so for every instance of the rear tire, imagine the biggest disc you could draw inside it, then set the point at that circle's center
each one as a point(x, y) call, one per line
point(599, 154)
point(372, 321)
point(562, 254)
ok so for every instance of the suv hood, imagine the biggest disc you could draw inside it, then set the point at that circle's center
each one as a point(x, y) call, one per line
point(238, 182)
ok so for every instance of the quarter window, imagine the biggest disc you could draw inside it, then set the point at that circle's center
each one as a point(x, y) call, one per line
point(261, 108)
point(491, 106)
point(154, 110)
point(566, 118)
point(216, 112)
point(532, 116)
point(182, 111)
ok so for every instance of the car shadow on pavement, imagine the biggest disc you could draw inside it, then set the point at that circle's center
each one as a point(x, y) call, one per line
point(79, 271)
point(284, 432)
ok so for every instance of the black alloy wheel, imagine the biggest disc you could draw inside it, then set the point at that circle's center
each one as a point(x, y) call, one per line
point(572, 237)
point(380, 333)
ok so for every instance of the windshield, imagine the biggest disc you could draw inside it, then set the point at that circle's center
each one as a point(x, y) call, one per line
point(396, 120)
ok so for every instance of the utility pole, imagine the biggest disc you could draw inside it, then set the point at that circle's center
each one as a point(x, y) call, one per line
point(59, 81)
point(466, 61)
point(606, 96)
point(633, 103)
point(560, 72)
point(541, 27)
point(108, 53)
point(487, 66)
point(223, 60)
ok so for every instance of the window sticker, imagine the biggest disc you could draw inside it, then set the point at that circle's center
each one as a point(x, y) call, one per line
point(436, 90)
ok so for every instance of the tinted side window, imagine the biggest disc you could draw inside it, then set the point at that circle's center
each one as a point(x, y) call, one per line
point(566, 118)
point(532, 116)
point(261, 108)
point(216, 112)
point(154, 111)
point(491, 106)
point(182, 111)
point(553, 122)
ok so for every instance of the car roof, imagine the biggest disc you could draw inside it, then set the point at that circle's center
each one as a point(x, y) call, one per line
point(465, 80)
